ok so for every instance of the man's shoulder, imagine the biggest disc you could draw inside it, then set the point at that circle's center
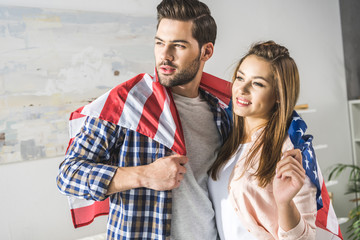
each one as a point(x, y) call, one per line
point(109, 105)
point(132, 81)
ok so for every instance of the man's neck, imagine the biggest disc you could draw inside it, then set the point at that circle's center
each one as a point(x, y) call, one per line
point(191, 89)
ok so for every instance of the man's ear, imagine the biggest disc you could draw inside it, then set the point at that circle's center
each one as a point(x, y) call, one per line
point(207, 51)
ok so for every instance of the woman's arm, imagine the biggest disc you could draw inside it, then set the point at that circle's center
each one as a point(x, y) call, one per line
point(295, 198)
point(288, 181)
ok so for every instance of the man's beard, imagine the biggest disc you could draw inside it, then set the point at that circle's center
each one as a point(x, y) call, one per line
point(183, 77)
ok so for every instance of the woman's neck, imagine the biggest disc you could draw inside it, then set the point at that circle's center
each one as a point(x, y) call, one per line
point(251, 126)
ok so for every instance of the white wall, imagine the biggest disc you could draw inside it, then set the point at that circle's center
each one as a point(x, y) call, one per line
point(130, 7)
point(32, 208)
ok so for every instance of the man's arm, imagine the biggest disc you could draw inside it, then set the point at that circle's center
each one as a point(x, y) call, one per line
point(164, 174)
point(86, 171)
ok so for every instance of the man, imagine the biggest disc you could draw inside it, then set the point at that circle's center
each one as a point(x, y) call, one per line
point(155, 193)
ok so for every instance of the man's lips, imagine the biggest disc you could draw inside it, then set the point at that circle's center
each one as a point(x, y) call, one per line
point(167, 69)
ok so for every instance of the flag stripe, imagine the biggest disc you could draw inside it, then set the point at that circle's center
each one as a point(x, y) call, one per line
point(96, 107)
point(179, 143)
point(322, 214)
point(85, 215)
point(75, 126)
point(211, 84)
point(153, 107)
point(135, 101)
point(77, 114)
point(74, 203)
point(332, 223)
point(167, 127)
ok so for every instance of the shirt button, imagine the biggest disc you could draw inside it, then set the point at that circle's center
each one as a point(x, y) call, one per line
point(229, 187)
point(236, 209)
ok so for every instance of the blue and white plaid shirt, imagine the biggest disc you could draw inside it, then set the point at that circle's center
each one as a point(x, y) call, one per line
point(95, 154)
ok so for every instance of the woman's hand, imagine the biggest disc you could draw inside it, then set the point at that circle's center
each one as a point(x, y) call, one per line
point(289, 178)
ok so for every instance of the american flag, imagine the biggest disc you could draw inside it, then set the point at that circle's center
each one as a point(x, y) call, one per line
point(143, 105)
point(326, 218)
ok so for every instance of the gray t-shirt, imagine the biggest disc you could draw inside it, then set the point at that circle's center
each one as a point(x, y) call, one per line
point(193, 216)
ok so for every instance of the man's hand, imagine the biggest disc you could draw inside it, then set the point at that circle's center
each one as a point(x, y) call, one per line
point(164, 174)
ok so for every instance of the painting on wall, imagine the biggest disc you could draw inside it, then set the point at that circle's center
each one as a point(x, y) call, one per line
point(54, 61)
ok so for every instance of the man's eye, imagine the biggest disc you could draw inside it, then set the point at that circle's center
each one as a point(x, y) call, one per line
point(179, 46)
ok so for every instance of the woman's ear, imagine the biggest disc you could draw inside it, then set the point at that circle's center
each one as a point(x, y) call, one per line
point(207, 51)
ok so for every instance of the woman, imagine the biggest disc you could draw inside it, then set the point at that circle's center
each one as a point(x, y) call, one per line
point(259, 193)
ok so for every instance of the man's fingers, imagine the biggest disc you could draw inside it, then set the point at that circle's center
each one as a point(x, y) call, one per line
point(180, 177)
point(182, 169)
point(166, 173)
point(182, 159)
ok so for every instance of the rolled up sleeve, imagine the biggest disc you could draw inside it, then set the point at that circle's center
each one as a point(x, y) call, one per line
point(86, 171)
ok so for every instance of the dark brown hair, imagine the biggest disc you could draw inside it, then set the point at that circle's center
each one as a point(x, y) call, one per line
point(270, 141)
point(204, 27)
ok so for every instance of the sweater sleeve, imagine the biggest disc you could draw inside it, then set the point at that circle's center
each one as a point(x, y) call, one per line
point(305, 202)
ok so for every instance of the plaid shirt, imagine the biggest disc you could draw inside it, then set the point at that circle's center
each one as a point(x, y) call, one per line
point(95, 154)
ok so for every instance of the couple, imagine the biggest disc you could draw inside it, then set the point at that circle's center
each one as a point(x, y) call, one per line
point(175, 164)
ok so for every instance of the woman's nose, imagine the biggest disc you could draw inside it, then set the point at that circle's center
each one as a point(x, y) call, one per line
point(244, 88)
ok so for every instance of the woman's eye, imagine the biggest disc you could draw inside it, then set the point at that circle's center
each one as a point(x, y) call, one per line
point(258, 84)
point(239, 78)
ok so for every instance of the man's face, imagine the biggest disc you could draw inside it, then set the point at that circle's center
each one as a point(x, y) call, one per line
point(177, 53)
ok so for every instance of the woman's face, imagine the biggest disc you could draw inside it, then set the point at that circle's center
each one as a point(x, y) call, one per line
point(253, 90)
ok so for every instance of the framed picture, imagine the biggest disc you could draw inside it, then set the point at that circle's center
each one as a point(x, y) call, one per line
point(55, 61)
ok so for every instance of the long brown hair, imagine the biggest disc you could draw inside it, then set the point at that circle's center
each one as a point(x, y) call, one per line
point(271, 139)
point(204, 27)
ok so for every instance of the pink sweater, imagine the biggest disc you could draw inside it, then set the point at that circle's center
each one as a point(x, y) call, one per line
point(256, 206)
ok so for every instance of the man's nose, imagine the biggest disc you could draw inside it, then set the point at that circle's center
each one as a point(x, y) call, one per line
point(167, 54)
